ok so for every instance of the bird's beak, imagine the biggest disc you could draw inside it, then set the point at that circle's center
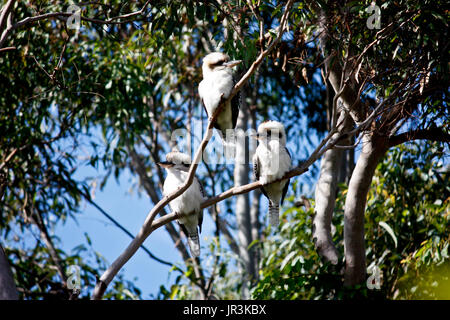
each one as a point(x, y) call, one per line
point(165, 164)
point(232, 63)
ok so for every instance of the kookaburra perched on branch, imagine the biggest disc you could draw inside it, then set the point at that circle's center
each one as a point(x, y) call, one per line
point(271, 162)
point(216, 85)
point(177, 165)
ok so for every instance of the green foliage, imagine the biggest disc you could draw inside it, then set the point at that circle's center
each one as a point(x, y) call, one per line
point(408, 195)
point(37, 276)
point(290, 266)
point(226, 270)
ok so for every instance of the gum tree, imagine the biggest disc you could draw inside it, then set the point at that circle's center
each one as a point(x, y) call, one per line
point(130, 71)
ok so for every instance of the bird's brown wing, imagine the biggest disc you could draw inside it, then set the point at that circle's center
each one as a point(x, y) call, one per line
point(200, 215)
point(235, 105)
point(286, 187)
point(256, 173)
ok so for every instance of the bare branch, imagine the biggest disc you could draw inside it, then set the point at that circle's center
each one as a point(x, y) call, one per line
point(37, 219)
point(5, 12)
point(8, 158)
point(434, 134)
point(59, 15)
point(7, 48)
point(51, 15)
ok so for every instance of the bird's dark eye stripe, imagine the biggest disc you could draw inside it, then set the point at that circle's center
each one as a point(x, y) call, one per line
point(269, 134)
point(186, 165)
point(220, 62)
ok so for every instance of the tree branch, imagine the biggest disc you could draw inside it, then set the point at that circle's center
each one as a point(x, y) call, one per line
point(59, 15)
point(37, 219)
point(434, 134)
point(7, 48)
point(5, 12)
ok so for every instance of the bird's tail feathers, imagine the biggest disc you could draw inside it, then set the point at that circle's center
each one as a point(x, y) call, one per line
point(194, 244)
point(274, 214)
point(229, 146)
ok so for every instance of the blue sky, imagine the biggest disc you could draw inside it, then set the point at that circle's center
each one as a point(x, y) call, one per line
point(129, 210)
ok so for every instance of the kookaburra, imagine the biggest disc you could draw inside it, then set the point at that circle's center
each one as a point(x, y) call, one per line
point(217, 84)
point(177, 165)
point(271, 162)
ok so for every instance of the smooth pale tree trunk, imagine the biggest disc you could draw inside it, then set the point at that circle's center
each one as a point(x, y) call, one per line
point(332, 161)
point(242, 207)
point(241, 177)
point(325, 195)
point(373, 149)
point(8, 290)
point(325, 198)
point(256, 196)
point(256, 227)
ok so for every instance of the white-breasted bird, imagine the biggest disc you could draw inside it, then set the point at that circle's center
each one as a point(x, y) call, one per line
point(272, 161)
point(217, 84)
point(177, 166)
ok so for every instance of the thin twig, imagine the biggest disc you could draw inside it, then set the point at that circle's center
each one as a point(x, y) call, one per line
point(59, 15)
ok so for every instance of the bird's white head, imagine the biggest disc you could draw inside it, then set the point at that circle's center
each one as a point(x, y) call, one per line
point(272, 130)
point(176, 160)
point(217, 61)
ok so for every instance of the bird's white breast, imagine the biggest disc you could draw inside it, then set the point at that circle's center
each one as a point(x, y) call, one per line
point(274, 161)
point(213, 86)
point(190, 200)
